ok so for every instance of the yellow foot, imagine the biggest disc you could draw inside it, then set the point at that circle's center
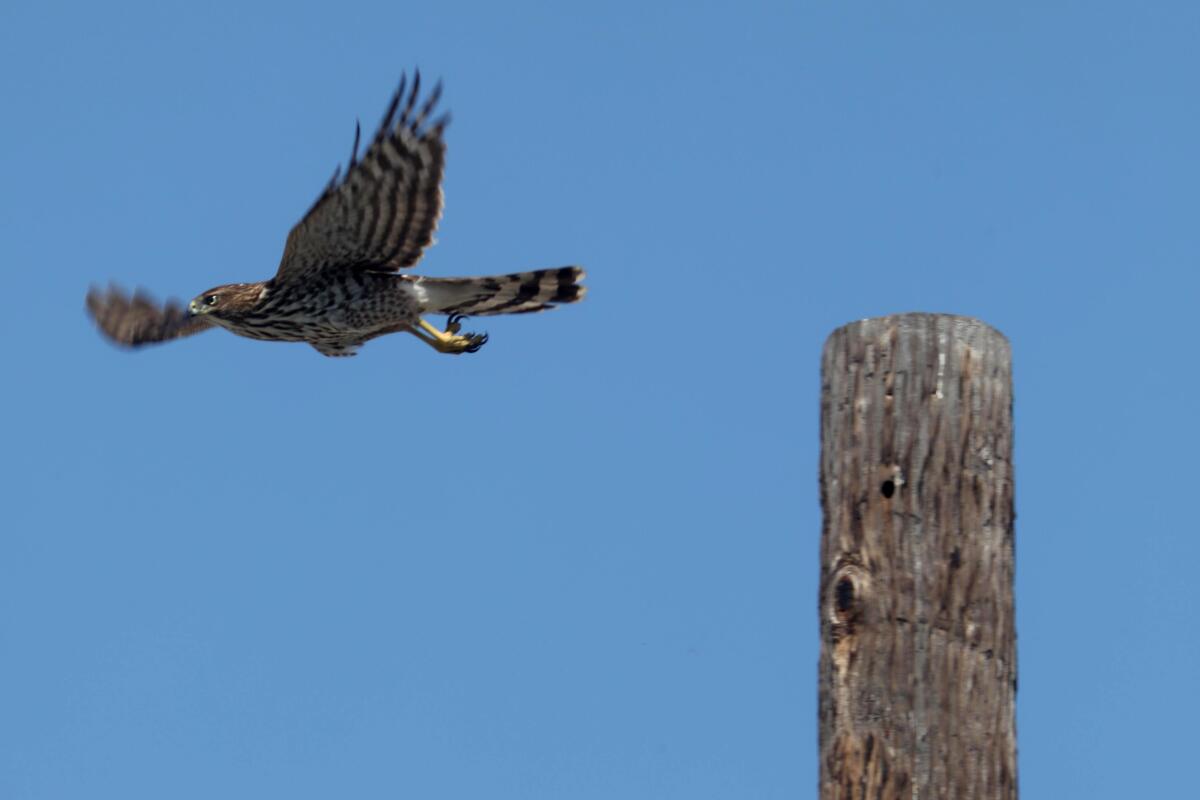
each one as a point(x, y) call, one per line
point(449, 341)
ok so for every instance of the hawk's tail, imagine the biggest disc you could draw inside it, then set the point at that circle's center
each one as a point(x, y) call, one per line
point(518, 293)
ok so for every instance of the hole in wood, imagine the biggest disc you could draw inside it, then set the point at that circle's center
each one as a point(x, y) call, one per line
point(888, 488)
point(844, 595)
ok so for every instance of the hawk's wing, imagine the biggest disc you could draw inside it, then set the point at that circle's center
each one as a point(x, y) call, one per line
point(383, 212)
point(138, 320)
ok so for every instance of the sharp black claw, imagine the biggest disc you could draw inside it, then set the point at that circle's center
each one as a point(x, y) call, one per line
point(454, 323)
point(478, 340)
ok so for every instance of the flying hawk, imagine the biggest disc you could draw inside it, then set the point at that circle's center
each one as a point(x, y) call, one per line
point(337, 285)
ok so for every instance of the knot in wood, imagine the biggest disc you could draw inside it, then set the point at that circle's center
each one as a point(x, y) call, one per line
point(845, 597)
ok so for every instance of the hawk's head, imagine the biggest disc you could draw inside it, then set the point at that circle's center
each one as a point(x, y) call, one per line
point(227, 302)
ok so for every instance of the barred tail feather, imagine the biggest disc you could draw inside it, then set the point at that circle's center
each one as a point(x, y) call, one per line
point(518, 293)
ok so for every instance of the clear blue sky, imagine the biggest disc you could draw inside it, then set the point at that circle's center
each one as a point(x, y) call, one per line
point(581, 563)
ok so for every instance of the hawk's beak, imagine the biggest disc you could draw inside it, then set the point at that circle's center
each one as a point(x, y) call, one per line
point(193, 309)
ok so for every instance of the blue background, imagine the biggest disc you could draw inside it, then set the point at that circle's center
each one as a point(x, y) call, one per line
point(581, 563)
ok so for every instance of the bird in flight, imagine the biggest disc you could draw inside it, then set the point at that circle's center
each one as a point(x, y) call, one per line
point(337, 285)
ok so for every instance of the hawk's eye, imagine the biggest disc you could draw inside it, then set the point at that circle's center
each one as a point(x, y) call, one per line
point(210, 300)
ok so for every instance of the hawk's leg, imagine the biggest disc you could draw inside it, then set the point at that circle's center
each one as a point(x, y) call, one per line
point(448, 341)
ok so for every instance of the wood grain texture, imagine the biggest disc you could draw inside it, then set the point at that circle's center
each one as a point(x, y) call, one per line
point(918, 648)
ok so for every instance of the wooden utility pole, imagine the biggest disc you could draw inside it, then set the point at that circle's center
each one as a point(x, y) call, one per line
point(918, 671)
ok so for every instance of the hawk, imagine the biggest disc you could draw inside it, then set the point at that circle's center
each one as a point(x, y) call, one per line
point(337, 285)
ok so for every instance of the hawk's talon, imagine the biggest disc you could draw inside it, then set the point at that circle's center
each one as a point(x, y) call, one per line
point(454, 323)
point(477, 340)
point(449, 340)
point(463, 343)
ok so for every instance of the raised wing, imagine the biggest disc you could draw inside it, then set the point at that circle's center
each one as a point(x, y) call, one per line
point(383, 212)
point(138, 320)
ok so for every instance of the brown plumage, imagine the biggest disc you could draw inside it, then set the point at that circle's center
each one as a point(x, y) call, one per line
point(337, 286)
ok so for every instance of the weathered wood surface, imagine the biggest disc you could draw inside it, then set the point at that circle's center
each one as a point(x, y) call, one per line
point(918, 649)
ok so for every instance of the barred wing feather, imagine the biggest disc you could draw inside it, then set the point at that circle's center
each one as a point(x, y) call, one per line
point(383, 212)
point(138, 320)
